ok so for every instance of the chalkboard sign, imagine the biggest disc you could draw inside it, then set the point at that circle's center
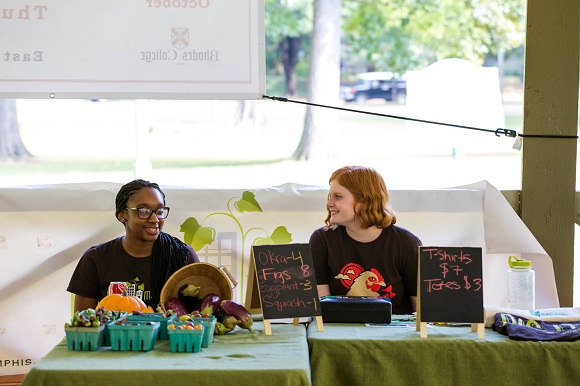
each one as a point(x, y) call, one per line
point(450, 285)
point(286, 281)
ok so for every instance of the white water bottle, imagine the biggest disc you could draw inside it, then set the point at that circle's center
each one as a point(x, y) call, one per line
point(521, 287)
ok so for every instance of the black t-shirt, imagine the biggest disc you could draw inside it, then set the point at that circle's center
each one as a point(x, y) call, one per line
point(109, 262)
point(384, 267)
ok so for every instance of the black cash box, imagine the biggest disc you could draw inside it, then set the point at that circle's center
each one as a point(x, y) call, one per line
point(355, 309)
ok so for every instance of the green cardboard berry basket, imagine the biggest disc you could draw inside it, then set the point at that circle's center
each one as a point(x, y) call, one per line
point(84, 338)
point(208, 327)
point(153, 317)
point(133, 336)
point(185, 340)
point(106, 334)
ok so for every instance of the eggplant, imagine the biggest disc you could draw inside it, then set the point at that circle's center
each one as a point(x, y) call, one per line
point(209, 304)
point(231, 308)
point(219, 314)
point(220, 329)
point(176, 305)
point(230, 322)
point(189, 296)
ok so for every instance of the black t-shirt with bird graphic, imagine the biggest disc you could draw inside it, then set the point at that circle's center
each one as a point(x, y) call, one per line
point(386, 266)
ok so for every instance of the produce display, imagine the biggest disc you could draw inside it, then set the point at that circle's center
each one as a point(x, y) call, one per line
point(152, 315)
point(161, 317)
point(91, 318)
point(176, 305)
point(132, 336)
point(125, 323)
point(86, 329)
point(190, 298)
point(229, 313)
point(185, 337)
point(231, 308)
point(186, 326)
point(208, 322)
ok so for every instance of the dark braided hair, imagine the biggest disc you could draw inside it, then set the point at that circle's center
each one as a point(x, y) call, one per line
point(130, 189)
point(169, 253)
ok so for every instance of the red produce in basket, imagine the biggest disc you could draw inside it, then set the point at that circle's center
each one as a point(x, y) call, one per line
point(210, 304)
point(176, 305)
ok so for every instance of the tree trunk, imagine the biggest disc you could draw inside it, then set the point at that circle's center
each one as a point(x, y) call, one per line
point(248, 111)
point(394, 91)
point(323, 82)
point(289, 47)
point(11, 146)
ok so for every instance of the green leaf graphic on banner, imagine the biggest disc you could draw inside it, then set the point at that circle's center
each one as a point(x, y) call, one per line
point(196, 235)
point(248, 203)
point(279, 236)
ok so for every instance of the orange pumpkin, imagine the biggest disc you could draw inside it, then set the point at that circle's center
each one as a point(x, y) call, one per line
point(122, 302)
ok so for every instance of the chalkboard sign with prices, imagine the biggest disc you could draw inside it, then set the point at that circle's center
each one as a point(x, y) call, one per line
point(450, 285)
point(286, 281)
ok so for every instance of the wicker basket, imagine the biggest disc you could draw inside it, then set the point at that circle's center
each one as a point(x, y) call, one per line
point(208, 277)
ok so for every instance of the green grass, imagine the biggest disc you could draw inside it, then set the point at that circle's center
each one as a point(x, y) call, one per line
point(36, 166)
point(49, 165)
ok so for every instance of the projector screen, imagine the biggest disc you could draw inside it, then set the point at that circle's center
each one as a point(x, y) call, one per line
point(132, 49)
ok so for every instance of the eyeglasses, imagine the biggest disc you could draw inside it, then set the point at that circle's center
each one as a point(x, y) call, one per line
point(145, 213)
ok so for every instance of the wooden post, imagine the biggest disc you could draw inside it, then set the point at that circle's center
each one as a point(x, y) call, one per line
point(267, 327)
point(480, 328)
point(551, 108)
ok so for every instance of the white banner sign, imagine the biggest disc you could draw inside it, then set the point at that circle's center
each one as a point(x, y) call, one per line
point(134, 49)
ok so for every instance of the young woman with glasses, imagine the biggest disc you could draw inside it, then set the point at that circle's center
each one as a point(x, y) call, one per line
point(143, 258)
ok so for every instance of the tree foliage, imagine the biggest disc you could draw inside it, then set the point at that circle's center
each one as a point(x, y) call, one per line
point(287, 22)
point(285, 18)
point(401, 35)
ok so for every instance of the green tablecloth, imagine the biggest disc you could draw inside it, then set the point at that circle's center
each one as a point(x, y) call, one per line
point(238, 358)
point(349, 354)
point(342, 354)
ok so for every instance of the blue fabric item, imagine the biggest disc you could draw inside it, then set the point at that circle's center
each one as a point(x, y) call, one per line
point(519, 328)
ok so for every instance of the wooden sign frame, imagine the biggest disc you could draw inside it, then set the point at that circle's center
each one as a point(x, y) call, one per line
point(253, 302)
point(454, 267)
point(253, 299)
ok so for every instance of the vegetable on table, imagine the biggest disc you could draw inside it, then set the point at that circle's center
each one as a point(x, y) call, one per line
point(190, 297)
point(176, 305)
point(90, 318)
point(231, 308)
point(210, 304)
point(122, 302)
point(230, 322)
point(220, 329)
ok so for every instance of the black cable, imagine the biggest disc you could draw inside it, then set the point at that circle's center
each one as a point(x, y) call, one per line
point(497, 132)
point(547, 136)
